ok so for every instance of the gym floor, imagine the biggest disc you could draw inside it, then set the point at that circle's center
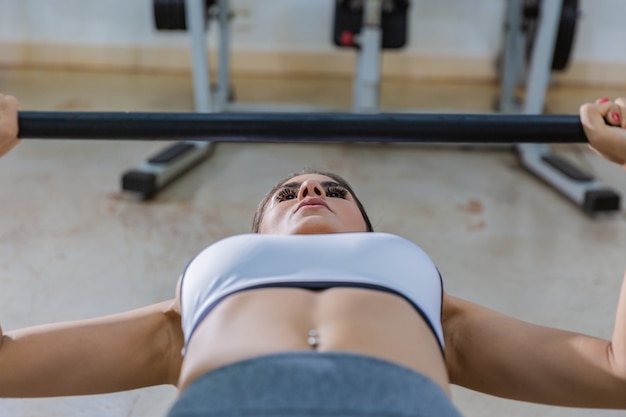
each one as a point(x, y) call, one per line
point(73, 246)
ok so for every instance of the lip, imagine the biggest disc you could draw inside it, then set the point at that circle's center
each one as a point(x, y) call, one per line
point(312, 202)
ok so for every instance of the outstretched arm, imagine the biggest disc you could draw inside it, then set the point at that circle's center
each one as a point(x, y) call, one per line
point(114, 353)
point(492, 353)
point(125, 351)
point(499, 355)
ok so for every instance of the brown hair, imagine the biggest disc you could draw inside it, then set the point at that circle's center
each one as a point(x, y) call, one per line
point(258, 214)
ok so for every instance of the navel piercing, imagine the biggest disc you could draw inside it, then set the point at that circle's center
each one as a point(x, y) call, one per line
point(312, 340)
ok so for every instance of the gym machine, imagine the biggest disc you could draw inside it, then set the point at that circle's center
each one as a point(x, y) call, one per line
point(539, 35)
point(147, 179)
point(369, 26)
point(365, 25)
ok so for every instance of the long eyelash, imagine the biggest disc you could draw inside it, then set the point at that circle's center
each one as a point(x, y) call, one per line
point(343, 193)
point(284, 193)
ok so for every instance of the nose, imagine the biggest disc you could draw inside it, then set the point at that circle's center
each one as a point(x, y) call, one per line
point(310, 188)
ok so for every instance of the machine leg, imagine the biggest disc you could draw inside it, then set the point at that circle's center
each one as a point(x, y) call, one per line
point(367, 79)
point(576, 185)
point(540, 68)
point(223, 69)
point(512, 59)
point(147, 179)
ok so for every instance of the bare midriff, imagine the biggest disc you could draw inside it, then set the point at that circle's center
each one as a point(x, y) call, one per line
point(273, 320)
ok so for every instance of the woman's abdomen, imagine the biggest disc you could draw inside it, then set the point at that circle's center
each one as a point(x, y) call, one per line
point(265, 321)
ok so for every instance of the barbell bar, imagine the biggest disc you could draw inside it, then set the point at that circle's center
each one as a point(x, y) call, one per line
point(303, 127)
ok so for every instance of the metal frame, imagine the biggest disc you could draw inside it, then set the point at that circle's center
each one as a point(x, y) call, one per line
point(538, 159)
point(366, 86)
point(367, 80)
point(576, 185)
point(205, 99)
point(195, 18)
point(149, 177)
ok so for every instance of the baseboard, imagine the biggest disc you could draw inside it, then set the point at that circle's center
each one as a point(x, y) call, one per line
point(341, 63)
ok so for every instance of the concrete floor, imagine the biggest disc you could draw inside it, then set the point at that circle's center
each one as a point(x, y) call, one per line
point(74, 247)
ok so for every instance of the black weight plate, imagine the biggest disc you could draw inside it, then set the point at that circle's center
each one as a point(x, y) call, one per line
point(179, 20)
point(348, 17)
point(169, 14)
point(160, 9)
point(565, 35)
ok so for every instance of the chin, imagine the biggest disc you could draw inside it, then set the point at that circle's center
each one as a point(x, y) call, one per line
point(314, 227)
point(314, 232)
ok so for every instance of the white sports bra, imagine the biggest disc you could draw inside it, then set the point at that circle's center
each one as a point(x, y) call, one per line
point(379, 261)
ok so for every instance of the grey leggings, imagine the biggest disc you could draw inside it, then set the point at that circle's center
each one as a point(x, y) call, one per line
point(303, 384)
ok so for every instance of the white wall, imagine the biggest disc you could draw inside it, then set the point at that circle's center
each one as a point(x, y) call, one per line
point(450, 28)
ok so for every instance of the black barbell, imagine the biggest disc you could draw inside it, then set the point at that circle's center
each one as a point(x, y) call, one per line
point(303, 127)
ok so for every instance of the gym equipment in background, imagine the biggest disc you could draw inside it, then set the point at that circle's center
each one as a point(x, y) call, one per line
point(539, 38)
point(372, 24)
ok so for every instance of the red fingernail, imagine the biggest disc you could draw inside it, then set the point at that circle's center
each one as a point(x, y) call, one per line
point(602, 100)
point(615, 117)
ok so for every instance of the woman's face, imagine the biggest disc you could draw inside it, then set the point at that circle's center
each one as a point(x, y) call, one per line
point(311, 203)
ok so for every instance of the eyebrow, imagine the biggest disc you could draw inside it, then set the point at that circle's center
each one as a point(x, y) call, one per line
point(324, 184)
